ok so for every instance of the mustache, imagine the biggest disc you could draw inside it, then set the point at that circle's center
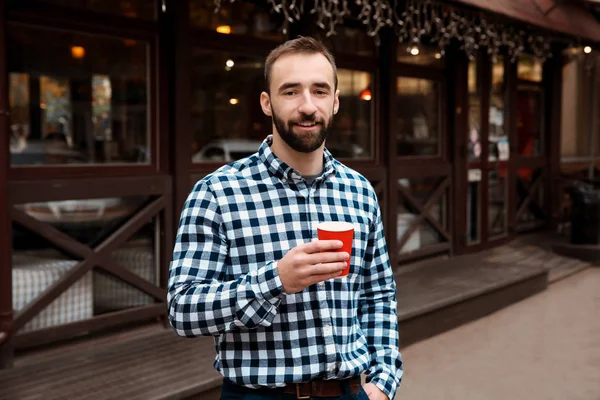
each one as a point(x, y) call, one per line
point(307, 118)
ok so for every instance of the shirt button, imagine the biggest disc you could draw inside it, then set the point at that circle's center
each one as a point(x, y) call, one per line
point(321, 284)
point(328, 329)
point(283, 180)
point(332, 368)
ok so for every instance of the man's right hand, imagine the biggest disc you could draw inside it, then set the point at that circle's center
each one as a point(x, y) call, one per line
point(311, 263)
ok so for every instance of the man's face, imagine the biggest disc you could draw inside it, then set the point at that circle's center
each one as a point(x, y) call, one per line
point(303, 100)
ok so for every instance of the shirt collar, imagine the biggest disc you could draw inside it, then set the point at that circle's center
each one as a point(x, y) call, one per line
point(283, 171)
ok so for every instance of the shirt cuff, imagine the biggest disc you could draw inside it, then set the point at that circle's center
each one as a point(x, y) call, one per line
point(268, 283)
point(386, 383)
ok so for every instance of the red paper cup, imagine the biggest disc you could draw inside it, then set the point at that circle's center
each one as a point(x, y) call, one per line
point(342, 231)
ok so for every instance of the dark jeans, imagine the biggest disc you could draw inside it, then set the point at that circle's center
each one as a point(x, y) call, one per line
point(231, 391)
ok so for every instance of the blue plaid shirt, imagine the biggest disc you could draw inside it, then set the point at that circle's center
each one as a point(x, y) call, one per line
point(236, 224)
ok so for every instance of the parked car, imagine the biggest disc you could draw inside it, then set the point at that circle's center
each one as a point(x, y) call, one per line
point(227, 150)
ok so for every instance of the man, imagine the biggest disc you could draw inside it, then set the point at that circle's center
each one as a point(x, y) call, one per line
point(248, 270)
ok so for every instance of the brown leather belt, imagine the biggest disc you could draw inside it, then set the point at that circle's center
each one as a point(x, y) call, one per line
point(322, 388)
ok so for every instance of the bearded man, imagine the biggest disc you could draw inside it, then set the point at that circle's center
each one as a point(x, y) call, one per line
point(249, 270)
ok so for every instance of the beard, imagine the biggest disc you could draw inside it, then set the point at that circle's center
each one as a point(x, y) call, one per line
point(305, 142)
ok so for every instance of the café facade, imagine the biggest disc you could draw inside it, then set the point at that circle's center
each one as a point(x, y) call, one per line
point(112, 110)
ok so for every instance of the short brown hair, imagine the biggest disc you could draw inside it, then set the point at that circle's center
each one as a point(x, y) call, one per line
point(300, 45)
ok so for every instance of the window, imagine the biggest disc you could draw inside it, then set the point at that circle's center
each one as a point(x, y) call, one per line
point(474, 85)
point(351, 135)
point(530, 107)
point(226, 111)
point(76, 98)
point(418, 117)
point(530, 113)
point(226, 90)
point(529, 68)
point(498, 142)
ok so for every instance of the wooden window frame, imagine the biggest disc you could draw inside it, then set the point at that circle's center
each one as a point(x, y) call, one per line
point(55, 183)
point(439, 166)
point(47, 16)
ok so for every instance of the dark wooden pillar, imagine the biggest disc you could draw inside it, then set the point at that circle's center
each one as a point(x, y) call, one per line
point(35, 111)
point(553, 84)
point(180, 77)
point(6, 347)
point(176, 46)
point(81, 101)
point(385, 92)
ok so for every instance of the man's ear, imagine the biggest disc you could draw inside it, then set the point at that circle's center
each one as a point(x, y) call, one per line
point(265, 103)
point(336, 102)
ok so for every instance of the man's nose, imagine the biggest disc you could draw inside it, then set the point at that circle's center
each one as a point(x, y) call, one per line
point(307, 106)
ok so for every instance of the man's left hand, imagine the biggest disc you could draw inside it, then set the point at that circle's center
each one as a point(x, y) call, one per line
point(373, 392)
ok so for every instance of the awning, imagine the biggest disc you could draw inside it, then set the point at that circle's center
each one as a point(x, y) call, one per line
point(569, 17)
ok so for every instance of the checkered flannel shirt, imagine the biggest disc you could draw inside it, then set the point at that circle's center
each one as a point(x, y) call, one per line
point(236, 224)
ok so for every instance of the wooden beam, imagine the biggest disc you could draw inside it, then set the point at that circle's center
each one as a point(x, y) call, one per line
point(99, 322)
point(431, 201)
point(61, 240)
point(531, 191)
point(423, 252)
point(5, 227)
point(87, 188)
point(179, 49)
point(110, 266)
point(90, 258)
point(50, 15)
point(130, 227)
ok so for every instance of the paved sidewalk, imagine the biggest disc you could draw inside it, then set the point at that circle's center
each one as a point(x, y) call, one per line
point(546, 347)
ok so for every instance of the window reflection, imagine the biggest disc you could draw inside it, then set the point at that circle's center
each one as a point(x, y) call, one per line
point(144, 9)
point(77, 99)
point(240, 18)
point(474, 135)
point(529, 120)
point(497, 196)
point(227, 120)
point(351, 131)
point(529, 68)
point(19, 106)
point(499, 149)
point(418, 117)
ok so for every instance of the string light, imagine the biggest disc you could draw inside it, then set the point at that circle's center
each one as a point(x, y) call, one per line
point(414, 20)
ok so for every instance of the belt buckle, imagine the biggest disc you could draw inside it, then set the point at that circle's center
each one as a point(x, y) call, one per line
point(298, 393)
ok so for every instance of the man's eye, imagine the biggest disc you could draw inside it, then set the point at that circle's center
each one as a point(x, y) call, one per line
point(321, 92)
point(289, 93)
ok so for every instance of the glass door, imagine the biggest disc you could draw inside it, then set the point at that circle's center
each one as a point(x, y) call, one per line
point(488, 154)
